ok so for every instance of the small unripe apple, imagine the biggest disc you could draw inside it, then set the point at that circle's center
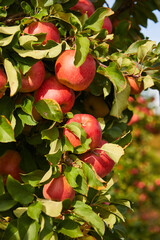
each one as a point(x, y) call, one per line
point(58, 189)
point(52, 89)
point(84, 6)
point(91, 127)
point(3, 81)
point(77, 78)
point(96, 106)
point(33, 79)
point(107, 25)
point(50, 29)
point(136, 86)
point(9, 164)
point(99, 159)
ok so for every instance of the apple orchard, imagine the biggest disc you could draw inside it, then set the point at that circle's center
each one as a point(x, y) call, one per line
point(67, 75)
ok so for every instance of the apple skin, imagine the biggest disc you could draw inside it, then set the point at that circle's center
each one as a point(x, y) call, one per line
point(76, 78)
point(99, 159)
point(136, 87)
point(9, 164)
point(135, 118)
point(50, 29)
point(107, 25)
point(52, 89)
point(33, 79)
point(3, 81)
point(58, 189)
point(84, 6)
point(91, 127)
point(96, 106)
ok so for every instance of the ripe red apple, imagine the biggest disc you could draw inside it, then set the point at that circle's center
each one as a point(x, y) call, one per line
point(58, 189)
point(9, 164)
point(91, 127)
point(32, 80)
point(50, 29)
point(135, 118)
point(107, 25)
point(52, 89)
point(84, 6)
point(99, 159)
point(136, 86)
point(3, 81)
point(77, 78)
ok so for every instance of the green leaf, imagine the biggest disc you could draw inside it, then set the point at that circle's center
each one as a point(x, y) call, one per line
point(34, 210)
point(85, 212)
point(26, 7)
point(6, 107)
point(76, 179)
point(11, 232)
point(114, 151)
point(6, 131)
point(28, 228)
point(10, 30)
point(95, 21)
point(33, 178)
point(2, 190)
point(18, 212)
point(157, 50)
point(82, 50)
point(20, 193)
point(50, 134)
point(47, 175)
point(77, 130)
point(26, 118)
point(6, 202)
point(144, 49)
point(66, 145)
point(70, 228)
point(47, 229)
point(133, 48)
point(12, 76)
point(6, 41)
point(49, 109)
point(148, 82)
point(54, 158)
point(51, 208)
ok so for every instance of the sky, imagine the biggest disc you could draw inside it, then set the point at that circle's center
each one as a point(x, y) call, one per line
point(153, 33)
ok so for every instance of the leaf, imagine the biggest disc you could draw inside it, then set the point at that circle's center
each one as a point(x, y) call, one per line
point(47, 175)
point(114, 151)
point(144, 49)
point(12, 76)
point(6, 41)
point(20, 193)
point(82, 50)
point(66, 145)
point(49, 109)
point(26, 118)
point(95, 21)
point(70, 228)
point(50, 134)
point(148, 82)
point(88, 215)
point(133, 48)
point(54, 158)
point(11, 232)
point(77, 130)
point(10, 30)
point(33, 178)
point(34, 210)
point(6, 131)
point(2, 190)
point(6, 202)
point(157, 50)
point(51, 208)
point(18, 212)
point(28, 228)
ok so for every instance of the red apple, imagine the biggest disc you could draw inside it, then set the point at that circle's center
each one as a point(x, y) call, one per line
point(84, 6)
point(50, 29)
point(9, 164)
point(77, 78)
point(58, 189)
point(135, 118)
point(52, 89)
point(32, 80)
point(136, 86)
point(99, 159)
point(91, 127)
point(3, 81)
point(107, 25)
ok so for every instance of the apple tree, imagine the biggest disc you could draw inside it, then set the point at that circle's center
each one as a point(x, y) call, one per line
point(68, 68)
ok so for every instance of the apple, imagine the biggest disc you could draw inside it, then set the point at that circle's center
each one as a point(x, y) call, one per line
point(50, 29)
point(32, 80)
point(77, 78)
point(84, 6)
point(135, 118)
point(52, 89)
point(9, 164)
point(58, 189)
point(91, 127)
point(99, 159)
point(96, 106)
point(3, 81)
point(136, 86)
point(107, 25)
